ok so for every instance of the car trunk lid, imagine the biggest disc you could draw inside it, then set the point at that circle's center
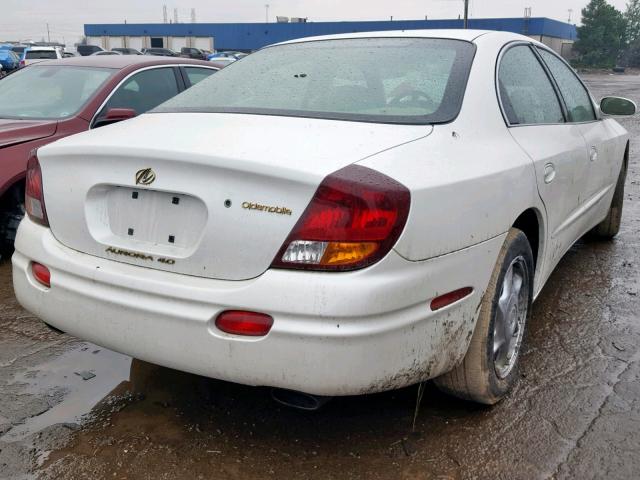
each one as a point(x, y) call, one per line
point(211, 195)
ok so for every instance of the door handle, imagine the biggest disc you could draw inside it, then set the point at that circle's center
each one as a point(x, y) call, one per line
point(549, 172)
point(593, 154)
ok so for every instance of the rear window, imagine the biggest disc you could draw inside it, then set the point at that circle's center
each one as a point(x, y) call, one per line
point(389, 80)
point(40, 54)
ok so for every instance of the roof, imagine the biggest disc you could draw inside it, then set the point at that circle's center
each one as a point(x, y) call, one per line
point(124, 61)
point(455, 34)
point(40, 49)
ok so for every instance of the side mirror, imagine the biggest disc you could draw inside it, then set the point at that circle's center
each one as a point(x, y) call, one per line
point(617, 106)
point(114, 115)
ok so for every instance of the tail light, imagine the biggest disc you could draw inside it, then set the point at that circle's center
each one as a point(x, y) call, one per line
point(34, 194)
point(352, 221)
point(22, 63)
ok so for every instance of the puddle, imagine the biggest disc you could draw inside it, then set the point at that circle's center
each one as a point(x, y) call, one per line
point(82, 377)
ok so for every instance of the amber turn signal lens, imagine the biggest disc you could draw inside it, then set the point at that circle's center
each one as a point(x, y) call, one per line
point(341, 253)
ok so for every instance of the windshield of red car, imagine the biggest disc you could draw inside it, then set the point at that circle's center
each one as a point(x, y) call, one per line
point(49, 92)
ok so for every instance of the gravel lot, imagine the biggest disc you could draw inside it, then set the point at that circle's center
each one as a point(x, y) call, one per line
point(574, 414)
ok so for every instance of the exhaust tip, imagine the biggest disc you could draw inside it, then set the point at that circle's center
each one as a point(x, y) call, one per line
point(298, 400)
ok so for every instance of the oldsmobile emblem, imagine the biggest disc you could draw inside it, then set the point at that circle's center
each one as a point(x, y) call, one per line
point(146, 176)
point(266, 208)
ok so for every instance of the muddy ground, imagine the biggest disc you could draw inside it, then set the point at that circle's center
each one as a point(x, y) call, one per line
point(69, 409)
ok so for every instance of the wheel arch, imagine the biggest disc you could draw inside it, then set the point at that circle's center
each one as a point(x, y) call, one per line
point(531, 223)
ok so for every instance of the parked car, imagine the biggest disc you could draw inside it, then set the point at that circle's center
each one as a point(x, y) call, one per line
point(48, 101)
point(86, 50)
point(190, 52)
point(160, 52)
point(104, 52)
point(233, 55)
point(38, 54)
point(9, 60)
point(382, 227)
point(223, 60)
point(18, 50)
point(126, 51)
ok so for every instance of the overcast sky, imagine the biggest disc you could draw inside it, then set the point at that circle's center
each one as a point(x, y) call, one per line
point(27, 19)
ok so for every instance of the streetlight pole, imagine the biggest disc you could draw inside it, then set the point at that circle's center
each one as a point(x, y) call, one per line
point(266, 17)
point(466, 14)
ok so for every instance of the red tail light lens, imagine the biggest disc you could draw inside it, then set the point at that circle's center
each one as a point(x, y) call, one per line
point(41, 274)
point(251, 324)
point(353, 220)
point(34, 194)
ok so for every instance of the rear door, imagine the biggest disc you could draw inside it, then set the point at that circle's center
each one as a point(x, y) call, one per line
point(599, 135)
point(144, 90)
point(536, 119)
point(193, 75)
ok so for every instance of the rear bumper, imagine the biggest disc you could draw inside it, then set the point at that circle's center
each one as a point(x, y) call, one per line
point(333, 334)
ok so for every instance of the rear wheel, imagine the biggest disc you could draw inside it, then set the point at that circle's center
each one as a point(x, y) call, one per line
point(10, 217)
point(610, 226)
point(490, 366)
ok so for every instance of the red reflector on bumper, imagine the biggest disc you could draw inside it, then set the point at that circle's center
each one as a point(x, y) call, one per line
point(41, 274)
point(250, 324)
point(449, 298)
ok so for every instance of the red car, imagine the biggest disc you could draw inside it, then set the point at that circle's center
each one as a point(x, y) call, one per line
point(50, 100)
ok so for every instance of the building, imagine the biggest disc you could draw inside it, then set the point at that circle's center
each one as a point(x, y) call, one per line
point(252, 36)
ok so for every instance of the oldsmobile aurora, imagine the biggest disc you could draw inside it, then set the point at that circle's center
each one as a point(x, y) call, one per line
point(321, 224)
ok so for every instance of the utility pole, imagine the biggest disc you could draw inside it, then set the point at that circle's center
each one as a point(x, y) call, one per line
point(164, 14)
point(466, 14)
point(266, 7)
point(193, 15)
point(570, 12)
point(175, 15)
point(48, 35)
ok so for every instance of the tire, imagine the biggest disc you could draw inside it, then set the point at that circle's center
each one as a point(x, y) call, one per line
point(486, 376)
point(610, 226)
point(10, 217)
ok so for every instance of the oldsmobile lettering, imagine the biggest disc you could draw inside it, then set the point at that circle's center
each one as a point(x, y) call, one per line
point(266, 208)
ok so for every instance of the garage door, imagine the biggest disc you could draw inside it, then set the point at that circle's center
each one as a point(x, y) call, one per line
point(177, 43)
point(204, 43)
point(135, 42)
point(115, 42)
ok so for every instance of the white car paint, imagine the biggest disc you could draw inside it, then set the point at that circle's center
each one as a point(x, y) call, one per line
point(333, 333)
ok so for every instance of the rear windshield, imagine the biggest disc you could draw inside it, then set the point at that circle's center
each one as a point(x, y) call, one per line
point(389, 80)
point(40, 54)
point(49, 92)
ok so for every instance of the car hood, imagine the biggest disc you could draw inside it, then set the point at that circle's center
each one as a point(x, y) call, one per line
point(13, 132)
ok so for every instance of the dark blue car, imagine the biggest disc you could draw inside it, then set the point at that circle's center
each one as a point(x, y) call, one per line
point(9, 60)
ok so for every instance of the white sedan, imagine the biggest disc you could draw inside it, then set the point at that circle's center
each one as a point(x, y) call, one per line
point(328, 223)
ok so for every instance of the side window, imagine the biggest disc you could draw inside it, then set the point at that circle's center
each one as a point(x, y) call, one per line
point(575, 96)
point(525, 90)
point(144, 91)
point(196, 75)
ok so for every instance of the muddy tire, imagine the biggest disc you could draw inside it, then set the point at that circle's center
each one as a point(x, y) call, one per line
point(610, 226)
point(490, 366)
point(10, 217)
